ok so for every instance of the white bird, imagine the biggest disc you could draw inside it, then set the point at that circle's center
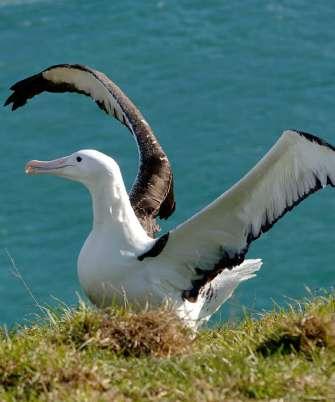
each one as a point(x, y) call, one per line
point(197, 265)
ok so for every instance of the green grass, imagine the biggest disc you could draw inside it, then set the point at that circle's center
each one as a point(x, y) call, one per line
point(89, 355)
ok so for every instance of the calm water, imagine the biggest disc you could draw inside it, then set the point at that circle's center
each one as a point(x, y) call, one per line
point(218, 82)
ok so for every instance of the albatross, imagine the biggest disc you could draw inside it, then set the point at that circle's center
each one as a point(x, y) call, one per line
point(197, 265)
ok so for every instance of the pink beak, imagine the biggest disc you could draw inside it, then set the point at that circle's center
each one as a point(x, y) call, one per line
point(51, 167)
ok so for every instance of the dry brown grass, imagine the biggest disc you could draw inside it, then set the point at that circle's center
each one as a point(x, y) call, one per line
point(156, 333)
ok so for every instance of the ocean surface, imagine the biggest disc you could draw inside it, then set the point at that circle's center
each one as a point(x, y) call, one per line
point(218, 81)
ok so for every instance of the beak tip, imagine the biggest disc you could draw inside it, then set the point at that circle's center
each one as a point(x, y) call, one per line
point(35, 167)
point(28, 169)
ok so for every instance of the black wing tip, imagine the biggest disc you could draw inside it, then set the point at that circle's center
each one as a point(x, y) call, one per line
point(8, 101)
point(16, 100)
point(314, 138)
point(23, 90)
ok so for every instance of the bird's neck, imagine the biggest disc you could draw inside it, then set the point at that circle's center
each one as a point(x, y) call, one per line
point(112, 208)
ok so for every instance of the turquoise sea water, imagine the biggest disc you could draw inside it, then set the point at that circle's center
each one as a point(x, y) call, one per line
point(218, 81)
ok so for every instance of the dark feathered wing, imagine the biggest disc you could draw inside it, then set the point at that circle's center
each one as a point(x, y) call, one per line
point(218, 237)
point(152, 192)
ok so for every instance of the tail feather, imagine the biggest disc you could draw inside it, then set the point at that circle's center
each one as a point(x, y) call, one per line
point(216, 292)
point(224, 286)
point(247, 269)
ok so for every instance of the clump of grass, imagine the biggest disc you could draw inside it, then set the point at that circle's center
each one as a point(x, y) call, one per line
point(156, 333)
point(302, 335)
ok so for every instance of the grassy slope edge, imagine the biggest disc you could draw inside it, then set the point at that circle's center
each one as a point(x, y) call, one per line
point(86, 355)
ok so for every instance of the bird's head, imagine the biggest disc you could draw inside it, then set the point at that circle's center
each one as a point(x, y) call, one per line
point(85, 166)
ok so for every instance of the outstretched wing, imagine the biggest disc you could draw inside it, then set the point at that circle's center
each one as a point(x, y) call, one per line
point(219, 236)
point(152, 192)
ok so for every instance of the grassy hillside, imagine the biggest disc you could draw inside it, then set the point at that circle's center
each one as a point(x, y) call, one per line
point(86, 355)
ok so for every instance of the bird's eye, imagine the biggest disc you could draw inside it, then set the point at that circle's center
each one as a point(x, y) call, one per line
point(79, 158)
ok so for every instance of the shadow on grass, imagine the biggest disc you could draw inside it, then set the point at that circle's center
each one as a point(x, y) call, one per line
point(300, 336)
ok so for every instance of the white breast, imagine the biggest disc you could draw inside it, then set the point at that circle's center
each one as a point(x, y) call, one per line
point(108, 268)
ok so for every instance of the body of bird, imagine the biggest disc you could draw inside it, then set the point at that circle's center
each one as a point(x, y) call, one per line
point(115, 263)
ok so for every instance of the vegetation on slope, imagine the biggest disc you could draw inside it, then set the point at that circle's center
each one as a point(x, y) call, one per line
point(116, 354)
